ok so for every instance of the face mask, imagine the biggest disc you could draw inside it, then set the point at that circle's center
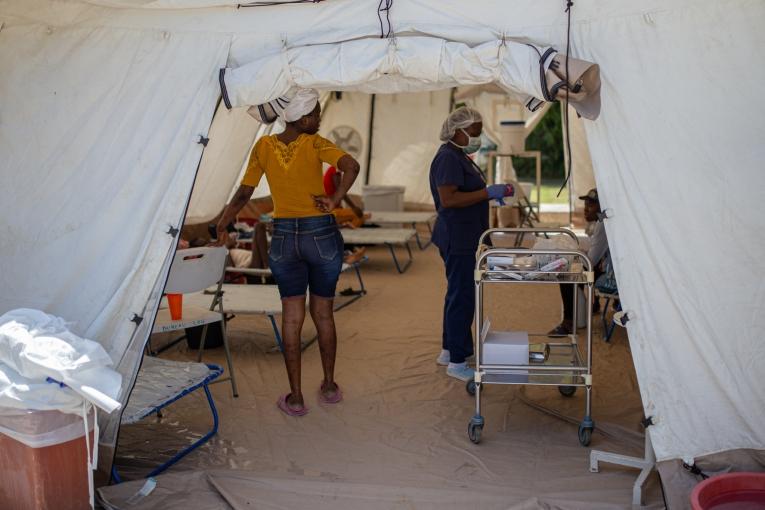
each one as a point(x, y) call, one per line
point(474, 143)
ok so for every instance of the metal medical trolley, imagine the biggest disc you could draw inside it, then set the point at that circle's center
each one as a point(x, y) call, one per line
point(561, 363)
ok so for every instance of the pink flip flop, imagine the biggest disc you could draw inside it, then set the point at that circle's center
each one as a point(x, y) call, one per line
point(289, 410)
point(338, 396)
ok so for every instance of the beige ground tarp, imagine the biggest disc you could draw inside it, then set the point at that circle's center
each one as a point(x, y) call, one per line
point(399, 440)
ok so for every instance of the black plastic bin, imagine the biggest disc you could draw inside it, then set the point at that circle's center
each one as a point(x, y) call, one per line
point(214, 336)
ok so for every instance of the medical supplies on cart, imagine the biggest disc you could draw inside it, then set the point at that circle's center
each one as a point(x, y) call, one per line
point(508, 357)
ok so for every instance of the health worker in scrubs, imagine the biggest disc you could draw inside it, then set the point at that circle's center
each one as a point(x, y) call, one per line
point(462, 202)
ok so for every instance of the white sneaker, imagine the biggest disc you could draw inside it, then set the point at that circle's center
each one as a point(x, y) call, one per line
point(444, 360)
point(461, 372)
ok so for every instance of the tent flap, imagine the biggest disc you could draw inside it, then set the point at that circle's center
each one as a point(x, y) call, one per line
point(99, 155)
point(406, 64)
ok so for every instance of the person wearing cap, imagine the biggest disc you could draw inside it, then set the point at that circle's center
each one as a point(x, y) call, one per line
point(306, 252)
point(462, 199)
point(596, 253)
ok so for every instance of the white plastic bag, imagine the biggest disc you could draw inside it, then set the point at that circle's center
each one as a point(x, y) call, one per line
point(555, 242)
point(37, 349)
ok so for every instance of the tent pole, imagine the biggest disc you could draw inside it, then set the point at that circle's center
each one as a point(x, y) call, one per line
point(371, 129)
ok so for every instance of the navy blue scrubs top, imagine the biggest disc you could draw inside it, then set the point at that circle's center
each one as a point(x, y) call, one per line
point(457, 229)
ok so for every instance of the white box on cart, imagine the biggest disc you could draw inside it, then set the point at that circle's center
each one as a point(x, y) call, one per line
point(506, 348)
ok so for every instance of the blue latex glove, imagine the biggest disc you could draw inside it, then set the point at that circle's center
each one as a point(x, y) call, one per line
point(499, 191)
point(496, 191)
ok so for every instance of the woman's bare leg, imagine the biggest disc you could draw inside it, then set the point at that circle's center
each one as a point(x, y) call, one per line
point(293, 315)
point(322, 313)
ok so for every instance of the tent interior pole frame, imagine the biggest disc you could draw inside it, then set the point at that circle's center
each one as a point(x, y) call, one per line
point(370, 138)
point(645, 465)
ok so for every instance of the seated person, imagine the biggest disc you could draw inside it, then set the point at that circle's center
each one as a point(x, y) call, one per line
point(255, 258)
point(596, 253)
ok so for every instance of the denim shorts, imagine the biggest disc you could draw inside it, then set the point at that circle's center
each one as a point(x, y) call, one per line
point(306, 253)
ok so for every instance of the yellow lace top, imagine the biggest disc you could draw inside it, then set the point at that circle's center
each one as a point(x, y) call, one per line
point(293, 172)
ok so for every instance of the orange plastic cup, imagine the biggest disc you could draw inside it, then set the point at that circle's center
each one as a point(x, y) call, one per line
point(175, 301)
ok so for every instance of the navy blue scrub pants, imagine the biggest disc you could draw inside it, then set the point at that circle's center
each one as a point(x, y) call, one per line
point(459, 305)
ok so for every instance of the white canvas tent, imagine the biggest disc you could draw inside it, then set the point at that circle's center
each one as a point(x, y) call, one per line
point(400, 130)
point(103, 103)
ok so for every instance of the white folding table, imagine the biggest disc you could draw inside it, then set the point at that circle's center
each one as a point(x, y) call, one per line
point(409, 218)
point(387, 236)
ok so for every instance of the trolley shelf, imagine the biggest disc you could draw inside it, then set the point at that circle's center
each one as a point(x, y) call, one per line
point(564, 366)
point(493, 276)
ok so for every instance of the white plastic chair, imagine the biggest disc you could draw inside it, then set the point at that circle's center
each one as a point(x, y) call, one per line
point(194, 270)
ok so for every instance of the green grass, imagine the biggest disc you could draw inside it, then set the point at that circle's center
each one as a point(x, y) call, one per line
point(549, 190)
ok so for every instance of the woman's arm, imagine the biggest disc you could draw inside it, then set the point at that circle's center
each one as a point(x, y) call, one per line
point(349, 167)
point(452, 198)
point(356, 209)
point(241, 197)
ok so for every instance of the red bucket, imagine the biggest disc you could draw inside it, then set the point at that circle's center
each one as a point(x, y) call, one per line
point(731, 491)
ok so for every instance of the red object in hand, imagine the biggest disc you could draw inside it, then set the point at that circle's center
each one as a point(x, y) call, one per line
point(510, 191)
point(175, 302)
point(329, 182)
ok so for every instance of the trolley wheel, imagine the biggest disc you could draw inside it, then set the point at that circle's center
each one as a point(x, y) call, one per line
point(470, 388)
point(585, 435)
point(474, 432)
point(567, 391)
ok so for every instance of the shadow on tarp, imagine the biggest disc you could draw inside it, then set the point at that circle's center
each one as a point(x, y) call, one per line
point(237, 490)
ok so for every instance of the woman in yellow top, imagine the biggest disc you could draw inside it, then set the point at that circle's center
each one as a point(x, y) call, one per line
point(306, 248)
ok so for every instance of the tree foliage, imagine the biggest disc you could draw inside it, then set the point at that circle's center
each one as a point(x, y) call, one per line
point(547, 137)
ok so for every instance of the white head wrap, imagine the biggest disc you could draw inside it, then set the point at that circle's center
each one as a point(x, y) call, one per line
point(302, 104)
point(459, 119)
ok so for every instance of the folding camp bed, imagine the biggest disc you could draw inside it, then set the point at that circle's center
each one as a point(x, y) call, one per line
point(387, 236)
point(161, 382)
point(244, 300)
point(194, 270)
point(354, 294)
point(259, 299)
point(410, 218)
